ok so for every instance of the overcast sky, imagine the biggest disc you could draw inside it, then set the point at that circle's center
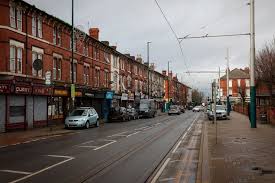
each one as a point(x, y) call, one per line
point(129, 24)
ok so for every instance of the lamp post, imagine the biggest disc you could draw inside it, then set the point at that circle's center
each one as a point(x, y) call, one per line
point(148, 61)
point(252, 66)
point(72, 55)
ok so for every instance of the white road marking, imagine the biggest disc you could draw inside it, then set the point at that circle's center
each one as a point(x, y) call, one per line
point(100, 147)
point(147, 128)
point(140, 128)
point(167, 179)
point(15, 171)
point(160, 171)
point(132, 134)
point(177, 146)
point(119, 134)
point(68, 158)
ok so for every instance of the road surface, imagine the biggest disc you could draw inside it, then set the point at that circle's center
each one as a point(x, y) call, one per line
point(114, 152)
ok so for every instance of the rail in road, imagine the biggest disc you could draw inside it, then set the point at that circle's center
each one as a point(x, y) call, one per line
point(94, 157)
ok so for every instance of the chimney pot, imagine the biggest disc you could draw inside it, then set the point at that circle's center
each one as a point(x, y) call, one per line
point(94, 33)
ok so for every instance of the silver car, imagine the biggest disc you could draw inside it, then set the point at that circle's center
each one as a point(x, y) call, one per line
point(82, 117)
point(174, 109)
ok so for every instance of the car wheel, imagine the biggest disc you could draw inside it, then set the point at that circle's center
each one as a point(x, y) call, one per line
point(169, 114)
point(87, 125)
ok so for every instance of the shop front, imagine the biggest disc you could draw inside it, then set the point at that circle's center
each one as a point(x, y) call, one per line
point(58, 105)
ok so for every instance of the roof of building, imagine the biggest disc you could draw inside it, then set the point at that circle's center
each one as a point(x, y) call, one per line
point(237, 74)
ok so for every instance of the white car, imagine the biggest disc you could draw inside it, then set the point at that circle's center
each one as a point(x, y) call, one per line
point(220, 112)
point(197, 109)
point(82, 117)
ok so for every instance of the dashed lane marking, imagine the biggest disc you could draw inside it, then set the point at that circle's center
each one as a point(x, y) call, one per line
point(16, 172)
point(100, 147)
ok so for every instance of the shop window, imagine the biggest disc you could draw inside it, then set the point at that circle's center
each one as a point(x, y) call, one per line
point(16, 111)
point(55, 109)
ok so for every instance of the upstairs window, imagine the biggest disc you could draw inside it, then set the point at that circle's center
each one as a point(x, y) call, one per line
point(16, 59)
point(106, 57)
point(57, 67)
point(97, 77)
point(75, 71)
point(37, 26)
point(230, 83)
point(86, 50)
point(247, 83)
point(106, 78)
point(86, 74)
point(16, 18)
point(73, 45)
point(56, 36)
point(36, 55)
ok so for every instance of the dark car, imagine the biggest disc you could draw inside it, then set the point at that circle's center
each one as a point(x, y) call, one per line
point(182, 109)
point(119, 113)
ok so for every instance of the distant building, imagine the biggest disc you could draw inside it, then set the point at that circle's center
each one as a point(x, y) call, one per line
point(239, 85)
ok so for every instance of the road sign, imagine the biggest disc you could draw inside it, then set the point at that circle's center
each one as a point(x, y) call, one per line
point(37, 64)
point(48, 75)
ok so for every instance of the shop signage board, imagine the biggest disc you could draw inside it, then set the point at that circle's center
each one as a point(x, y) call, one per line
point(22, 89)
point(4, 88)
point(124, 96)
point(40, 90)
point(60, 92)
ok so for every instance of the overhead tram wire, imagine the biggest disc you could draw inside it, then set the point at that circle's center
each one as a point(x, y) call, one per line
point(173, 31)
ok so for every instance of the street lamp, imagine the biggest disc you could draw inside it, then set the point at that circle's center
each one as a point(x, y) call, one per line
point(148, 61)
point(252, 66)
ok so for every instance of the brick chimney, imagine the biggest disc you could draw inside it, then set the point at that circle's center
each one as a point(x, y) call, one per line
point(94, 33)
point(164, 72)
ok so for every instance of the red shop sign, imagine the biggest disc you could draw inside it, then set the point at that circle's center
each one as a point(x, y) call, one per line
point(4, 88)
point(23, 89)
point(40, 90)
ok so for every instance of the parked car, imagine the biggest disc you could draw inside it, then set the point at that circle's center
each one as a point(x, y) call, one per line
point(174, 109)
point(82, 117)
point(119, 113)
point(220, 112)
point(133, 113)
point(196, 109)
point(190, 107)
point(147, 108)
point(182, 109)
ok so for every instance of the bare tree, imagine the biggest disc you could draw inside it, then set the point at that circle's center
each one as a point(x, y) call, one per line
point(265, 65)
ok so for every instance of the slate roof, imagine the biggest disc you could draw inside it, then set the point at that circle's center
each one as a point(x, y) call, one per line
point(237, 74)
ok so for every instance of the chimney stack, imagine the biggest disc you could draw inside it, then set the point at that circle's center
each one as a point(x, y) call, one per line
point(114, 47)
point(94, 33)
point(164, 72)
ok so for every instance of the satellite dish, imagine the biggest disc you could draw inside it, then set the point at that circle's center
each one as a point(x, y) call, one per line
point(37, 64)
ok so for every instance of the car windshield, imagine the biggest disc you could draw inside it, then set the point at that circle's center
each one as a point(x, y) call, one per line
point(144, 106)
point(220, 107)
point(173, 107)
point(79, 112)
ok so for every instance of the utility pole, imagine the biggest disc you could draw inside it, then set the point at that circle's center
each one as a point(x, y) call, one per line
point(252, 66)
point(219, 90)
point(168, 82)
point(148, 61)
point(215, 107)
point(72, 61)
point(227, 84)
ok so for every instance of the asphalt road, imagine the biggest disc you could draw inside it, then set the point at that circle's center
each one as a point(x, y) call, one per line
point(114, 152)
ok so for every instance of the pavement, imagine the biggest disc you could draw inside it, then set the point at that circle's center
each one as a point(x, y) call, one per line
point(238, 154)
point(115, 152)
